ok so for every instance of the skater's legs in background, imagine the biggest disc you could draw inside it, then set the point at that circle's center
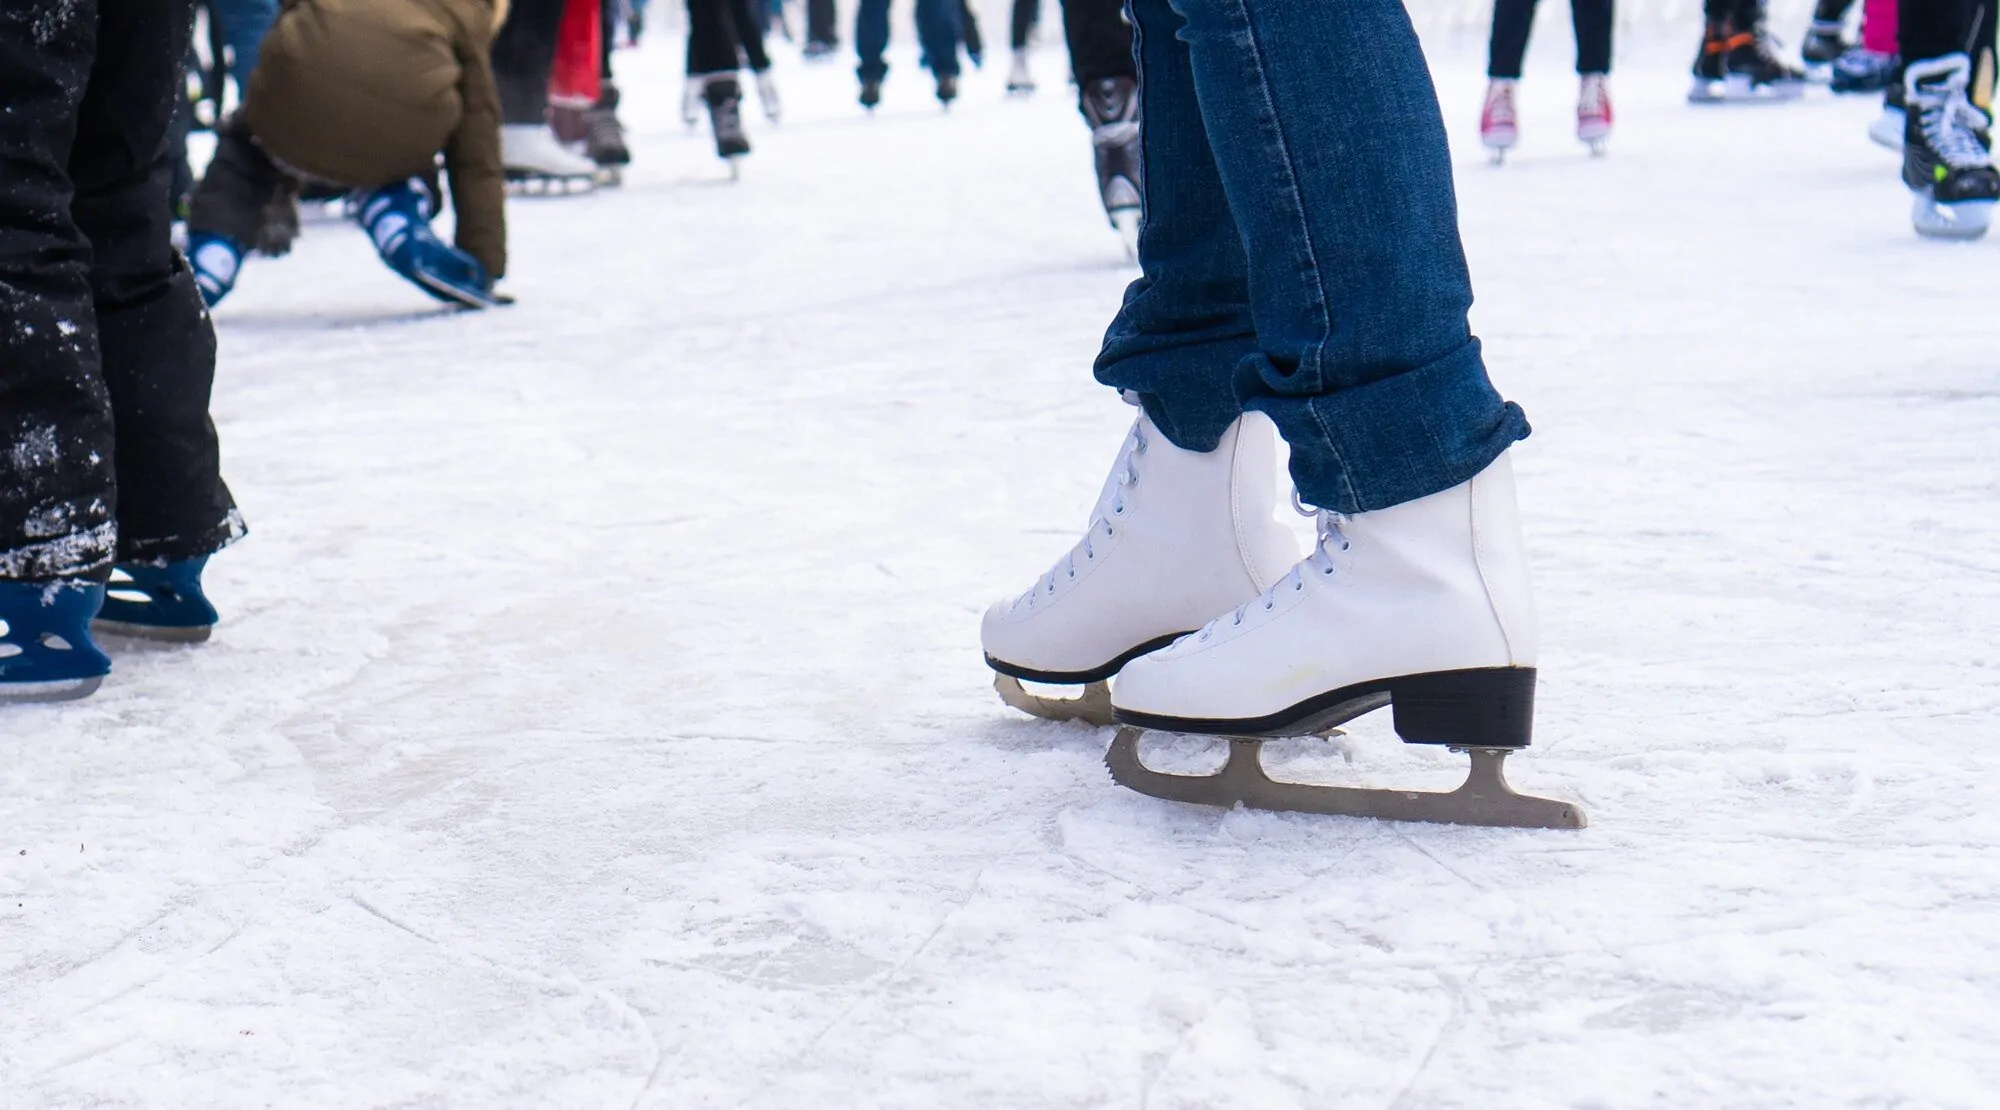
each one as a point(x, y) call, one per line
point(822, 23)
point(244, 24)
point(1186, 321)
point(1361, 352)
point(711, 44)
point(968, 31)
point(871, 38)
point(939, 32)
point(1593, 21)
point(1513, 20)
point(1025, 15)
point(1100, 41)
point(524, 52)
point(749, 31)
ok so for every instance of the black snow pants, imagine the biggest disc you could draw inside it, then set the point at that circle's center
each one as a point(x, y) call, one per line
point(524, 53)
point(723, 36)
point(1099, 39)
point(106, 356)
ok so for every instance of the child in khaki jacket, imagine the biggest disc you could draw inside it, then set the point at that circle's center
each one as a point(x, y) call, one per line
point(365, 94)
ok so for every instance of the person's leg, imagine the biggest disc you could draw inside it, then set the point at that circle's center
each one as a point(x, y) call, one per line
point(939, 32)
point(871, 38)
point(1358, 283)
point(822, 24)
point(1099, 39)
point(244, 24)
point(968, 32)
point(158, 346)
point(1185, 323)
point(57, 499)
point(1593, 21)
point(1512, 22)
point(711, 44)
point(749, 34)
point(1021, 21)
point(524, 52)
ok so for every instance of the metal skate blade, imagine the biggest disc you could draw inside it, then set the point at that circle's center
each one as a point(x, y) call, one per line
point(1483, 799)
point(154, 632)
point(23, 693)
point(1092, 706)
point(1964, 220)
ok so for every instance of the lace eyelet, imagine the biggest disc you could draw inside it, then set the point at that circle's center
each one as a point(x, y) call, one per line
point(1297, 586)
point(1268, 605)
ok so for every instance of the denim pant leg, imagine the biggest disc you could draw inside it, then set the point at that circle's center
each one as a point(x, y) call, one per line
point(871, 38)
point(1334, 163)
point(1185, 323)
point(244, 24)
point(939, 30)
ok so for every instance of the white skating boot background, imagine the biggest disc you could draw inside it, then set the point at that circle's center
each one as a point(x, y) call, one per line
point(1177, 536)
point(532, 150)
point(1386, 607)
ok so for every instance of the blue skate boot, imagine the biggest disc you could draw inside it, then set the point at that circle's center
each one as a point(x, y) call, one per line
point(398, 218)
point(158, 603)
point(46, 653)
point(215, 260)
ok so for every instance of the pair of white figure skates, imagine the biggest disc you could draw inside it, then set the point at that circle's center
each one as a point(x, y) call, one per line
point(1188, 590)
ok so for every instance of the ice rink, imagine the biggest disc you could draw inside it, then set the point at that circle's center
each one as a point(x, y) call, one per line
point(598, 719)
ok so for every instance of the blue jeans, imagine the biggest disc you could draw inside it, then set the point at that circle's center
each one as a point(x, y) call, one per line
point(938, 32)
point(244, 23)
point(1300, 253)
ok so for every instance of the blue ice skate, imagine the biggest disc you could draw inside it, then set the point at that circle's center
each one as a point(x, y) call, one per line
point(46, 653)
point(215, 260)
point(158, 603)
point(398, 218)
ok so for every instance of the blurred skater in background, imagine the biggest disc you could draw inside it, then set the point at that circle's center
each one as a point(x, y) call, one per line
point(940, 32)
point(1738, 59)
point(365, 96)
point(106, 357)
point(1499, 127)
point(724, 37)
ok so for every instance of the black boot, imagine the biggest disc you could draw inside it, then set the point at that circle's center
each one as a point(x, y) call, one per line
point(603, 135)
point(725, 116)
point(1112, 107)
point(1946, 163)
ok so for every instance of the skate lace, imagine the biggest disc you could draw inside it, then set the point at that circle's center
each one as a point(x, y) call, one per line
point(1332, 540)
point(603, 129)
point(1499, 105)
point(1111, 506)
point(1948, 119)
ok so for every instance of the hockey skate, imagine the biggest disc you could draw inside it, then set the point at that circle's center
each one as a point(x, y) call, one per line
point(1423, 608)
point(1946, 163)
point(1175, 537)
point(1887, 129)
point(871, 93)
point(1499, 128)
point(1020, 81)
point(397, 219)
point(947, 90)
point(162, 602)
point(604, 138)
point(1112, 108)
point(1860, 70)
point(537, 164)
point(46, 653)
point(1741, 67)
point(1593, 112)
point(725, 118)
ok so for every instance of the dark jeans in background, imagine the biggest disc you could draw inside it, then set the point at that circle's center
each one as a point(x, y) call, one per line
point(722, 36)
point(1300, 251)
point(1934, 28)
point(938, 32)
point(1513, 19)
point(524, 53)
point(822, 22)
point(1100, 41)
point(106, 356)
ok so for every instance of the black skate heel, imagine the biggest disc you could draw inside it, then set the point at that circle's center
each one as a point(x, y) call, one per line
point(1492, 707)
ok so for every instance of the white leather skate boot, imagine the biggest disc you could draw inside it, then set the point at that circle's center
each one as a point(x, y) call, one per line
point(1424, 606)
point(1176, 537)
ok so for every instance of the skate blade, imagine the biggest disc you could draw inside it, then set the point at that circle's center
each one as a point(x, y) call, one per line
point(1092, 706)
point(154, 632)
point(29, 693)
point(1964, 220)
point(542, 185)
point(1484, 798)
point(1734, 90)
point(1126, 222)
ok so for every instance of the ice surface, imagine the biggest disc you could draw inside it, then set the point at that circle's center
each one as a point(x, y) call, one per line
point(598, 717)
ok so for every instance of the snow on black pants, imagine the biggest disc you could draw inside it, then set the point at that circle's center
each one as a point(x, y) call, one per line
point(106, 357)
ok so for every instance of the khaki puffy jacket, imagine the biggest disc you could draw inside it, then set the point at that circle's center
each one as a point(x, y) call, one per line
point(365, 92)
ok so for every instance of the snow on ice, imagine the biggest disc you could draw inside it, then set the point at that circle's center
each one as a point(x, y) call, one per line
point(598, 717)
